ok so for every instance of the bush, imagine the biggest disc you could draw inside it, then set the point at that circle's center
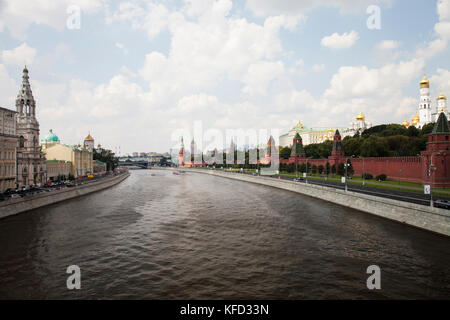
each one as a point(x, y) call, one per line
point(367, 176)
point(381, 177)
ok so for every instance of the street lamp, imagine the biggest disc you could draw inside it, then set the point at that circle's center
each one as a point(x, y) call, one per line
point(432, 168)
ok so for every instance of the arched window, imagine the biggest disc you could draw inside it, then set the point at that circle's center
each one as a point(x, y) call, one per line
point(21, 142)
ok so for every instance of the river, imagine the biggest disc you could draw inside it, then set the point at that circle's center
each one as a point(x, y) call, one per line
point(161, 236)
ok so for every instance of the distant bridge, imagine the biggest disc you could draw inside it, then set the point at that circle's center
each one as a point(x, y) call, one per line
point(142, 164)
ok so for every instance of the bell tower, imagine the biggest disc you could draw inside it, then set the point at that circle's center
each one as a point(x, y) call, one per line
point(30, 161)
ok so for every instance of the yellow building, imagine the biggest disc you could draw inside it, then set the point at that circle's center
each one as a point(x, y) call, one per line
point(8, 148)
point(58, 169)
point(81, 158)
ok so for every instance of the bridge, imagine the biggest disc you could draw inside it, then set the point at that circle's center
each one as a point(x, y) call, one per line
point(142, 164)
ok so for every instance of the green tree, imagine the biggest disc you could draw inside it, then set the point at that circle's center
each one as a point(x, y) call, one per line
point(285, 152)
point(106, 156)
point(375, 146)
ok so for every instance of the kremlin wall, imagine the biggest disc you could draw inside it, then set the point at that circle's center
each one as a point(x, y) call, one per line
point(408, 169)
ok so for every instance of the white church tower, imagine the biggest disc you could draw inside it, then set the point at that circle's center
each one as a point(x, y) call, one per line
point(425, 103)
point(30, 160)
point(441, 105)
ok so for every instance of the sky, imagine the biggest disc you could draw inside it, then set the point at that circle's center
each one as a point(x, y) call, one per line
point(133, 73)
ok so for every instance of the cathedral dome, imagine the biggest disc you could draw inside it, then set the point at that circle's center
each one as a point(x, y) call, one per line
point(299, 125)
point(441, 97)
point(89, 138)
point(360, 117)
point(425, 83)
point(415, 120)
point(51, 137)
point(405, 124)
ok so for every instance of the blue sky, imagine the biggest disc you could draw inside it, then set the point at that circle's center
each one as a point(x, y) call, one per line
point(136, 71)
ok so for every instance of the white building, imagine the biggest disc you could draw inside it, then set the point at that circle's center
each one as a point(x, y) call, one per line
point(359, 125)
point(319, 135)
point(425, 113)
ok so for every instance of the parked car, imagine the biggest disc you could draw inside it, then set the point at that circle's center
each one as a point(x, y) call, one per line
point(15, 196)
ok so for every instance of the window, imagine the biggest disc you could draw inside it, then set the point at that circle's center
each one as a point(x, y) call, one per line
point(21, 142)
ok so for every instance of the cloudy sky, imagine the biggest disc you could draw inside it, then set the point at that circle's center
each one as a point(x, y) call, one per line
point(135, 71)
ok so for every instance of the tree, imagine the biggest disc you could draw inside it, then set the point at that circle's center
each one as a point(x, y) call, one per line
point(106, 156)
point(314, 169)
point(375, 146)
point(285, 152)
point(333, 169)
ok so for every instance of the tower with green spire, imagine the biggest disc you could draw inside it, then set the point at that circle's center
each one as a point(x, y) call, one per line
point(298, 152)
point(437, 155)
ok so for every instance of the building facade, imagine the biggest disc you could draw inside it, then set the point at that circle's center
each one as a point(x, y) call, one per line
point(58, 169)
point(319, 135)
point(80, 158)
point(8, 149)
point(30, 160)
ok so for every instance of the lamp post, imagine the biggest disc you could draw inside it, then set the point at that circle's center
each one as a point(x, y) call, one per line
point(346, 164)
point(432, 168)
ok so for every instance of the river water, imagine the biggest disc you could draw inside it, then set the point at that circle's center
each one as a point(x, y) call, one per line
point(193, 236)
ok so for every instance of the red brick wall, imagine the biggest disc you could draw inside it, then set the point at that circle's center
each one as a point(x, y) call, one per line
point(395, 168)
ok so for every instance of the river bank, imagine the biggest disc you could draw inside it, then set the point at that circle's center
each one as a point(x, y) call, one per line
point(15, 206)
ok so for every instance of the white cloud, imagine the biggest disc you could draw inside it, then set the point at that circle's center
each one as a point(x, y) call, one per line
point(264, 8)
point(8, 89)
point(153, 18)
point(260, 74)
point(337, 41)
point(442, 32)
point(18, 15)
point(387, 45)
point(19, 56)
point(443, 9)
point(441, 81)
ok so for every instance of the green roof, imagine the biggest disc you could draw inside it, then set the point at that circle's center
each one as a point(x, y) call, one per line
point(441, 125)
point(51, 137)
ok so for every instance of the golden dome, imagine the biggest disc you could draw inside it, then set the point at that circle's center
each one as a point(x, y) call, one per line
point(441, 97)
point(360, 116)
point(415, 120)
point(425, 83)
point(405, 123)
point(330, 130)
point(299, 125)
point(89, 138)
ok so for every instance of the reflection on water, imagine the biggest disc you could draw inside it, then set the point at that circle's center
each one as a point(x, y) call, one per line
point(195, 236)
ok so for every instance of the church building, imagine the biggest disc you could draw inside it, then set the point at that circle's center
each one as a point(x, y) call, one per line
point(30, 160)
